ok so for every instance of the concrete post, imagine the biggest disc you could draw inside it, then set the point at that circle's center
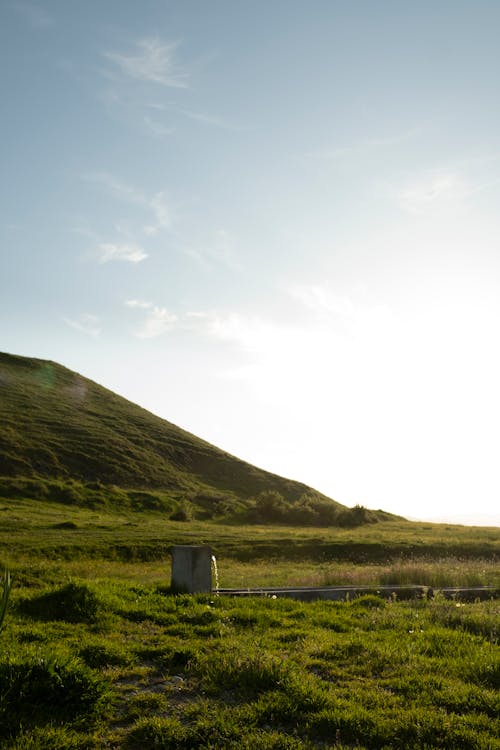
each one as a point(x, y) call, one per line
point(192, 569)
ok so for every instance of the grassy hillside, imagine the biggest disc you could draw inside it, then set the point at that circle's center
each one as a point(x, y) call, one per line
point(58, 424)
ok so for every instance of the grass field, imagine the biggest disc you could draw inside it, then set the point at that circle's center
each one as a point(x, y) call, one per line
point(96, 653)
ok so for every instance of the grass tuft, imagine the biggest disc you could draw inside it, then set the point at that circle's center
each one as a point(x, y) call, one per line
point(48, 689)
point(71, 603)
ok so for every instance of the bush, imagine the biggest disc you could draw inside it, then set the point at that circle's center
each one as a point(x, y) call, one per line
point(270, 505)
point(158, 732)
point(311, 510)
point(98, 655)
point(71, 603)
point(43, 690)
point(250, 672)
point(23, 488)
point(356, 516)
point(185, 512)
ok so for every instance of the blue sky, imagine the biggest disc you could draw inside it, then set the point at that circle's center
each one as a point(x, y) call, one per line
point(273, 223)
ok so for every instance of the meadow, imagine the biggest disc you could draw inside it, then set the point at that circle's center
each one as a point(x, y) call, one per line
point(96, 652)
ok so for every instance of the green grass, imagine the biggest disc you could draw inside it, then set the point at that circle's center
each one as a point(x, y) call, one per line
point(48, 544)
point(154, 670)
point(95, 653)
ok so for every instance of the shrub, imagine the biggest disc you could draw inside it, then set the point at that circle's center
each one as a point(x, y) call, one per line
point(250, 672)
point(162, 733)
point(312, 510)
point(270, 505)
point(97, 655)
point(21, 488)
point(71, 603)
point(357, 516)
point(185, 512)
point(40, 690)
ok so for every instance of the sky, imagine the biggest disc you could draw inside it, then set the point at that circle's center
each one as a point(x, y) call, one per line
point(274, 223)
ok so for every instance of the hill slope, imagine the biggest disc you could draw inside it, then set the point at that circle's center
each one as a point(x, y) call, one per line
point(56, 423)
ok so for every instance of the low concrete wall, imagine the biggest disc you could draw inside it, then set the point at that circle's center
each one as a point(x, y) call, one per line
point(343, 593)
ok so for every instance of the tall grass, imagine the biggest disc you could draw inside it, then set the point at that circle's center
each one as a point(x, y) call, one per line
point(4, 600)
point(447, 572)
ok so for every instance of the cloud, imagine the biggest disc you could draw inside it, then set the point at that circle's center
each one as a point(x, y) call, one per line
point(227, 326)
point(369, 144)
point(320, 300)
point(208, 119)
point(85, 323)
point(116, 188)
point(121, 251)
point(160, 207)
point(435, 188)
point(158, 321)
point(37, 17)
point(271, 338)
point(158, 216)
point(350, 315)
point(156, 128)
point(137, 303)
point(154, 62)
point(217, 249)
point(156, 204)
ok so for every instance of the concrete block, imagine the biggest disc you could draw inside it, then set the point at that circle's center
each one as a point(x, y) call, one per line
point(192, 569)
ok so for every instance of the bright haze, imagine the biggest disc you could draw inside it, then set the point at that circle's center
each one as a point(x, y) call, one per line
point(275, 224)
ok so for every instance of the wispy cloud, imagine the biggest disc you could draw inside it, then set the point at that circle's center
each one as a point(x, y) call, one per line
point(115, 187)
point(85, 323)
point(321, 300)
point(157, 204)
point(160, 207)
point(138, 83)
point(217, 249)
point(157, 322)
point(154, 61)
point(350, 314)
point(227, 326)
point(434, 188)
point(109, 251)
point(209, 119)
point(158, 129)
point(138, 304)
point(362, 146)
point(37, 17)
point(140, 86)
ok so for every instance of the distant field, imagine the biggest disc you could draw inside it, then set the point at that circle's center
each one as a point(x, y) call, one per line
point(250, 555)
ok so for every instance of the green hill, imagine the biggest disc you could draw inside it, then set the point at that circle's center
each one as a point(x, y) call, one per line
point(56, 423)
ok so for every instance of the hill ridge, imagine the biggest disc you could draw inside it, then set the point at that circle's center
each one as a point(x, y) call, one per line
point(58, 423)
